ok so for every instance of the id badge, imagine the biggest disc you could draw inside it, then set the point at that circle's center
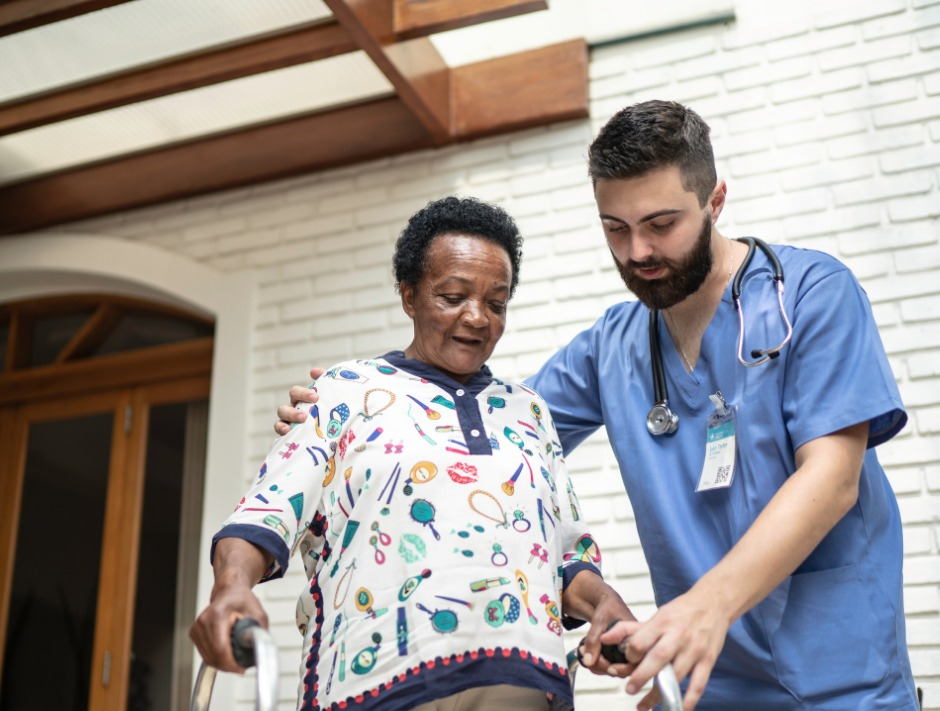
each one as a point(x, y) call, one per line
point(718, 469)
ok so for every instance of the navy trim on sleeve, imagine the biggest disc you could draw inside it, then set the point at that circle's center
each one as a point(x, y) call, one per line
point(267, 540)
point(568, 573)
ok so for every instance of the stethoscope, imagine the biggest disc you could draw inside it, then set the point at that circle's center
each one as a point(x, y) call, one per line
point(661, 420)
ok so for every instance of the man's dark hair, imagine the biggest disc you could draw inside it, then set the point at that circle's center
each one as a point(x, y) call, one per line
point(652, 135)
point(466, 216)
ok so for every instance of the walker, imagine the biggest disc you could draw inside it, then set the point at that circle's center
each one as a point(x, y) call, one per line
point(252, 645)
point(670, 695)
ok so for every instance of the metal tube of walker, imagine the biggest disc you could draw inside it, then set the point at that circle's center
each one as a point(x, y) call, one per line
point(666, 683)
point(252, 646)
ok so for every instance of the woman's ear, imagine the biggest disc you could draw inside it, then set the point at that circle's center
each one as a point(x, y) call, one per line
point(407, 293)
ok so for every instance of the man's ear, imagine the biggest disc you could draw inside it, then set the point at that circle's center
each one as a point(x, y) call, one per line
point(407, 293)
point(716, 202)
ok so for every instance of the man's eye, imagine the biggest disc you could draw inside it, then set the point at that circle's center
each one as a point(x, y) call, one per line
point(662, 226)
point(451, 299)
point(614, 226)
point(498, 307)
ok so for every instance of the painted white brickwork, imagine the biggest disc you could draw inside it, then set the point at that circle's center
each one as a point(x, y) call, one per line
point(826, 125)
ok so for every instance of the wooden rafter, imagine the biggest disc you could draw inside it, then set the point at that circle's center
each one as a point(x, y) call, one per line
point(434, 105)
point(508, 93)
point(443, 99)
point(414, 67)
point(419, 18)
point(274, 150)
point(19, 15)
point(307, 43)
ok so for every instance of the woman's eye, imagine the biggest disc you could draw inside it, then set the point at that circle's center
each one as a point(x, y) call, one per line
point(614, 226)
point(451, 299)
point(498, 307)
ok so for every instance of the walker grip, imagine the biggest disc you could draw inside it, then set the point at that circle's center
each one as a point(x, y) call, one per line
point(252, 646)
point(666, 682)
point(243, 648)
point(612, 652)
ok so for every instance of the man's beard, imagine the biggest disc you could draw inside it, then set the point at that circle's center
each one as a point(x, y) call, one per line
point(685, 277)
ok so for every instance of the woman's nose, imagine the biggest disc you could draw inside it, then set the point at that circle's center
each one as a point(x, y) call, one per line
point(474, 313)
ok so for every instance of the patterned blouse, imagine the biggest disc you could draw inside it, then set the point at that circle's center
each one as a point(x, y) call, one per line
point(437, 526)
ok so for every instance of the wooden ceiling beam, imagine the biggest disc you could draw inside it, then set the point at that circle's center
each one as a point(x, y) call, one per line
point(533, 88)
point(538, 87)
point(307, 43)
point(414, 67)
point(420, 18)
point(254, 155)
point(19, 15)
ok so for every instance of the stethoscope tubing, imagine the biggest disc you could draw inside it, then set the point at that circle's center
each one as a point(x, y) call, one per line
point(661, 420)
point(770, 353)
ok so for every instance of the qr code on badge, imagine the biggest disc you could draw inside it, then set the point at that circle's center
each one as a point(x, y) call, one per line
point(722, 474)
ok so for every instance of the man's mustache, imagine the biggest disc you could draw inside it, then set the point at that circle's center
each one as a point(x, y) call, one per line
point(645, 265)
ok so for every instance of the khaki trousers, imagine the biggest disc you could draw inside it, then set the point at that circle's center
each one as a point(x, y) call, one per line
point(501, 697)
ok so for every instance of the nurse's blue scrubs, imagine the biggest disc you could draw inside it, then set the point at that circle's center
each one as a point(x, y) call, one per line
point(831, 636)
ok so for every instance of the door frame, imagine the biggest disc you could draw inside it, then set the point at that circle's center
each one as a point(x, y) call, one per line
point(110, 673)
point(57, 262)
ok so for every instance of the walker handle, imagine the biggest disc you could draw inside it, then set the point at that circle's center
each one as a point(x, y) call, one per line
point(252, 645)
point(243, 645)
point(665, 681)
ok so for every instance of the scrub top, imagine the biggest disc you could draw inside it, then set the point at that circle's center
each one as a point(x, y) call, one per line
point(437, 527)
point(831, 636)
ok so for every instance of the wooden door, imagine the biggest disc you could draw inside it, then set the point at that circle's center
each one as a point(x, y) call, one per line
point(100, 465)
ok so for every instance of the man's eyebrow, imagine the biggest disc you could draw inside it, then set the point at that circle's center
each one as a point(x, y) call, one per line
point(645, 218)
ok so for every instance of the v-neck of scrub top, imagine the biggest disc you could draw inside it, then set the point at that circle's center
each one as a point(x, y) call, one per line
point(690, 386)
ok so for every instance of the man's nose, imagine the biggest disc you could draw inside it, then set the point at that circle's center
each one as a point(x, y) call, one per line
point(640, 249)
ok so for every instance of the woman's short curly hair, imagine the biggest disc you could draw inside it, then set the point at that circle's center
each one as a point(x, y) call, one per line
point(454, 215)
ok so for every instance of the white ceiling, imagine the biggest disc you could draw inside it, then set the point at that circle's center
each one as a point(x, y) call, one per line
point(146, 31)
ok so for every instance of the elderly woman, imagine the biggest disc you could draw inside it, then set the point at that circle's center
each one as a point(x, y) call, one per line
point(430, 504)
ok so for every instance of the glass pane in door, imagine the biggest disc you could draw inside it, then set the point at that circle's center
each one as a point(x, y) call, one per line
point(155, 609)
point(51, 624)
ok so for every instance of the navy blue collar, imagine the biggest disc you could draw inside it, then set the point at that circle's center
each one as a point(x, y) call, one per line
point(477, 384)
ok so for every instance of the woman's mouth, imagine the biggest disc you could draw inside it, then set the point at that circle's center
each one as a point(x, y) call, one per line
point(467, 341)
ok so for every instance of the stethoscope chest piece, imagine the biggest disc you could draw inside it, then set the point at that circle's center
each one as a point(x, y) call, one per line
point(661, 420)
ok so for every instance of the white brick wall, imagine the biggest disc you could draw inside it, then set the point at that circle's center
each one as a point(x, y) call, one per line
point(826, 123)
